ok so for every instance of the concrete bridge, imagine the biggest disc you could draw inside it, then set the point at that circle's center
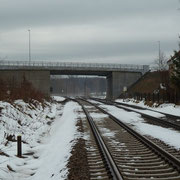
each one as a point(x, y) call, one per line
point(38, 72)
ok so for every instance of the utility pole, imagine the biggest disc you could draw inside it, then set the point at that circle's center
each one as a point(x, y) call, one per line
point(159, 43)
point(179, 40)
point(160, 59)
point(29, 45)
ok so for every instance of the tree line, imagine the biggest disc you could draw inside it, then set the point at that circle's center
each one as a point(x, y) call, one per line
point(78, 86)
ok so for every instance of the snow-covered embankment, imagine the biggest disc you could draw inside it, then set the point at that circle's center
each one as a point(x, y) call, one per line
point(47, 133)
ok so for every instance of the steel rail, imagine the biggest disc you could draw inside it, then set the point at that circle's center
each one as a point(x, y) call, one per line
point(161, 152)
point(138, 107)
point(155, 119)
point(109, 161)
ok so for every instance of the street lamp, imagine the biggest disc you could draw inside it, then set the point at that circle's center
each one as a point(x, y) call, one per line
point(29, 45)
point(159, 43)
point(179, 40)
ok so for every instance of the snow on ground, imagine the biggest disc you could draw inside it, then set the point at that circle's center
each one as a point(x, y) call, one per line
point(58, 98)
point(166, 107)
point(98, 117)
point(48, 134)
point(151, 113)
point(169, 136)
point(54, 157)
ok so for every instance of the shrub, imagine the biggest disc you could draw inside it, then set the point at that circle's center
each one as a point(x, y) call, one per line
point(24, 91)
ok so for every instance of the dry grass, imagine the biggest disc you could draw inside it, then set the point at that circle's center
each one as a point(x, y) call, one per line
point(24, 91)
point(150, 82)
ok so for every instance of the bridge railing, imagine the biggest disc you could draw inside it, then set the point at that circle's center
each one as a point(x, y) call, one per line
point(44, 64)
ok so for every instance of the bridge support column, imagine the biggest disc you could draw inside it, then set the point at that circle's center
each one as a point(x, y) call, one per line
point(118, 80)
point(109, 87)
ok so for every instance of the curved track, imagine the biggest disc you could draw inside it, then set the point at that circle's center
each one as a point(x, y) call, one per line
point(128, 155)
point(168, 120)
point(142, 108)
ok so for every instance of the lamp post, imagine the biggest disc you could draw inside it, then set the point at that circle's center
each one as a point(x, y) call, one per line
point(29, 45)
point(179, 41)
point(159, 43)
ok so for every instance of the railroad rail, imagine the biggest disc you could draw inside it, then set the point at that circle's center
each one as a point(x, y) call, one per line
point(170, 121)
point(142, 108)
point(112, 167)
point(133, 156)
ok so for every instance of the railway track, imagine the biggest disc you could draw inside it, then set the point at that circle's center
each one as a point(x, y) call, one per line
point(153, 120)
point(142, 108)
point(168, 120)
point(126, 154)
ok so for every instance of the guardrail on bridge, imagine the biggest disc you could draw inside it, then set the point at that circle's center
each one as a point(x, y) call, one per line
point(61, 65)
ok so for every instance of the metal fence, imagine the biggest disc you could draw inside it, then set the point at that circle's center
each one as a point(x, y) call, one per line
point(165, 97)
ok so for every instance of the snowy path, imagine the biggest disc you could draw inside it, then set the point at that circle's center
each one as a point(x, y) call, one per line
point(54, 157)
point(49, 134)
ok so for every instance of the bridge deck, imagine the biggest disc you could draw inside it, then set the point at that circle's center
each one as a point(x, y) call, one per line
point(73, 66)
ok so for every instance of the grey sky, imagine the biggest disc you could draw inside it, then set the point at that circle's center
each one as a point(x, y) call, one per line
point(109, 31)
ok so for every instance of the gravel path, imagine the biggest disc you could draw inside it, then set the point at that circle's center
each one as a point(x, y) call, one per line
point(78, 165)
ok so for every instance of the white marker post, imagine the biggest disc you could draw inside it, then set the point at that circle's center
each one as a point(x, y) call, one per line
point(124, 90)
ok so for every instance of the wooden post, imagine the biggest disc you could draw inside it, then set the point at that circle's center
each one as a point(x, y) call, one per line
point(19, 146)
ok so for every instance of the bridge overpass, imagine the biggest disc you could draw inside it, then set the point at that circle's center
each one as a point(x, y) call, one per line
point(38, 72)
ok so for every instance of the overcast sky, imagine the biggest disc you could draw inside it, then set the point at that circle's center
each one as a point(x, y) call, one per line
point(108, 31)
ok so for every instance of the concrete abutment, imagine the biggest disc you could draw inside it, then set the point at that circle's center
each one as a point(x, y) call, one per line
point(118, 80)
point(40, 79)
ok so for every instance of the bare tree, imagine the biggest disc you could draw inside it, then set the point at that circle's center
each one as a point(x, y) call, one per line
point(161, 66)
point(161, 62)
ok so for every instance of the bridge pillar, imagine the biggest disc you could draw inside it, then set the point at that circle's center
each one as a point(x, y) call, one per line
point(118, 80)
point(109, 87)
